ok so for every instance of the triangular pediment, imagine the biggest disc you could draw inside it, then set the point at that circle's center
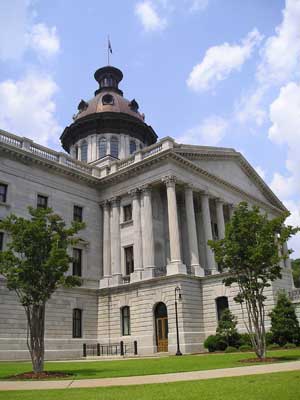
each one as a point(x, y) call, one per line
point(232, 167)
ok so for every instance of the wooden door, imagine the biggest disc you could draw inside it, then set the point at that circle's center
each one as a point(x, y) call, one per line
point(162, 334)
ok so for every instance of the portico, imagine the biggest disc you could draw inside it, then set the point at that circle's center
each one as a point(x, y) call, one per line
point(181, 250)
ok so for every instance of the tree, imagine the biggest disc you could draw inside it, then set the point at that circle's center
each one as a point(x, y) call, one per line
point(284, 322)
point(227, 330)
point(296, 272)
point(250, 254)
point(34, 265)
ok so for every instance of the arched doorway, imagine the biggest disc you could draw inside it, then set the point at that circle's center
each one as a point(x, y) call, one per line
point(161, 327)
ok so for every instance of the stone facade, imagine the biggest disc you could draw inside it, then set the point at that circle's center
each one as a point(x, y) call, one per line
point(149, 213)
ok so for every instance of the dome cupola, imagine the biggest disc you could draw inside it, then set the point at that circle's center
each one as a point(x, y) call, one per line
point(107, 116)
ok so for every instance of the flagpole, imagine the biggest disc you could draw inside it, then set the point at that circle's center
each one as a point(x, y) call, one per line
point(108, 49)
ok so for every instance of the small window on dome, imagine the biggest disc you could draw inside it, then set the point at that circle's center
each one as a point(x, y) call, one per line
point(133, 105)
point(132, 146)
point(107, 99)
point(84, 151)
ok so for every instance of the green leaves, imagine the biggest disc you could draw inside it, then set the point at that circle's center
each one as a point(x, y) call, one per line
point(36, 258)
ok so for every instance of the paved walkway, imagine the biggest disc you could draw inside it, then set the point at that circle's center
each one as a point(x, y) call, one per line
point(146, 379)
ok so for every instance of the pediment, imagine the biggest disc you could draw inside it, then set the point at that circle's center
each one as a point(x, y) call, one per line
point(233, 168)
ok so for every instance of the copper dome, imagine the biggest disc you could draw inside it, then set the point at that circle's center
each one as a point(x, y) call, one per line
point(108, 112)
point(118, 104)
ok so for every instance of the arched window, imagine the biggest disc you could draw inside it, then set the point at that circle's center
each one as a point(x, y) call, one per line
point(102, 148)
point(84, 151)
point(221, 304)
point(132, 146)
point(114, 147)
point(77, 323)
point(125, 317)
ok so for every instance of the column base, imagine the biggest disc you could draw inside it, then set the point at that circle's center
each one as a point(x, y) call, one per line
point(148, 273)
point(105, 282)
point(136, 276)
point(116, 280)
point(175, 268)
point(197, 270)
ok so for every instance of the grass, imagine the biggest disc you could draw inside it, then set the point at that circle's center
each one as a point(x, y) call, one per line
point(148, 366)
point(276, 386)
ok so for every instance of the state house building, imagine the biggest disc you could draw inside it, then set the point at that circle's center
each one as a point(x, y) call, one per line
point(150, 205)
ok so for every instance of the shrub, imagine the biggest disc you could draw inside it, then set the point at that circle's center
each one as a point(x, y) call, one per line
point(245, 347)
point(211, 343)
point(269, 338)
point(227, 330)
point(215, 343)
point(284, 322)
point(245, 340)
point(273, 346)
point(289, 346)
point(231, 349)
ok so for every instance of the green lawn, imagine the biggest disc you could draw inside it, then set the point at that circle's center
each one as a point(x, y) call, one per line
point(148, 366)
point(277, 386)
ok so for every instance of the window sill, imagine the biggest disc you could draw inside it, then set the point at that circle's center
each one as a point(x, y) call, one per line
point(126, 223)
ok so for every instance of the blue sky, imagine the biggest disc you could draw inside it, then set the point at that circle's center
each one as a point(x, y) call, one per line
point(211, 72)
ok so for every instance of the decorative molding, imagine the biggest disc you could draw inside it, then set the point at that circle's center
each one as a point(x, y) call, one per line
point(170, 180)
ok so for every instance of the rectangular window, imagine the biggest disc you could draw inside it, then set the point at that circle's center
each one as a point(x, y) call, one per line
point(127, 212)
point(42, 201)
point(77, 213)
point(125, 315)
point(3, 193)
point(77, 262)
point(129, 260)
point(1, 240)
point(77, 323)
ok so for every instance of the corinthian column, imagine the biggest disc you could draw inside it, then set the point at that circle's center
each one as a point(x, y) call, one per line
point(147, 234)
point(220, 218)
point(116, 242)
point(206, 220)
point(176, 266)
point(106, 245)
point(138, 243)
point(192, 232)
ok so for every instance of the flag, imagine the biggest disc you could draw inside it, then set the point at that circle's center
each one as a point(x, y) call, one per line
point(109, 46)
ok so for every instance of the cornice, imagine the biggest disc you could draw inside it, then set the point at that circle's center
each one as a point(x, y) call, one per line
point(34, 158)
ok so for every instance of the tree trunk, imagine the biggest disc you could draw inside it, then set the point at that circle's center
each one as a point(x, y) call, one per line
point(35, 340)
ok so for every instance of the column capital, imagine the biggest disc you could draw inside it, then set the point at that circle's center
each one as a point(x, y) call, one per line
point(105, 204)
point(115, 201)
point(204, 193)
point(189, 186)
point(146, 189)
point(134, 193)
point(170, 180)
point(219, 200)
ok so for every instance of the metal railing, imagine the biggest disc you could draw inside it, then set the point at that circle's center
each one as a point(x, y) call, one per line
point(112, 349)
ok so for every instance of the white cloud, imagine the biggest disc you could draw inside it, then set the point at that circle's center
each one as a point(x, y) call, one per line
point(27, 107)
point(294, 220)
point(18, 33)
point(197, 5)
point(285, 116)
point(283, 186)
point(249, 108)
point(281, 53)
point(44, 40)
point(209, 133)
point(149, 17)
point(220, 61)
point(285, 130)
